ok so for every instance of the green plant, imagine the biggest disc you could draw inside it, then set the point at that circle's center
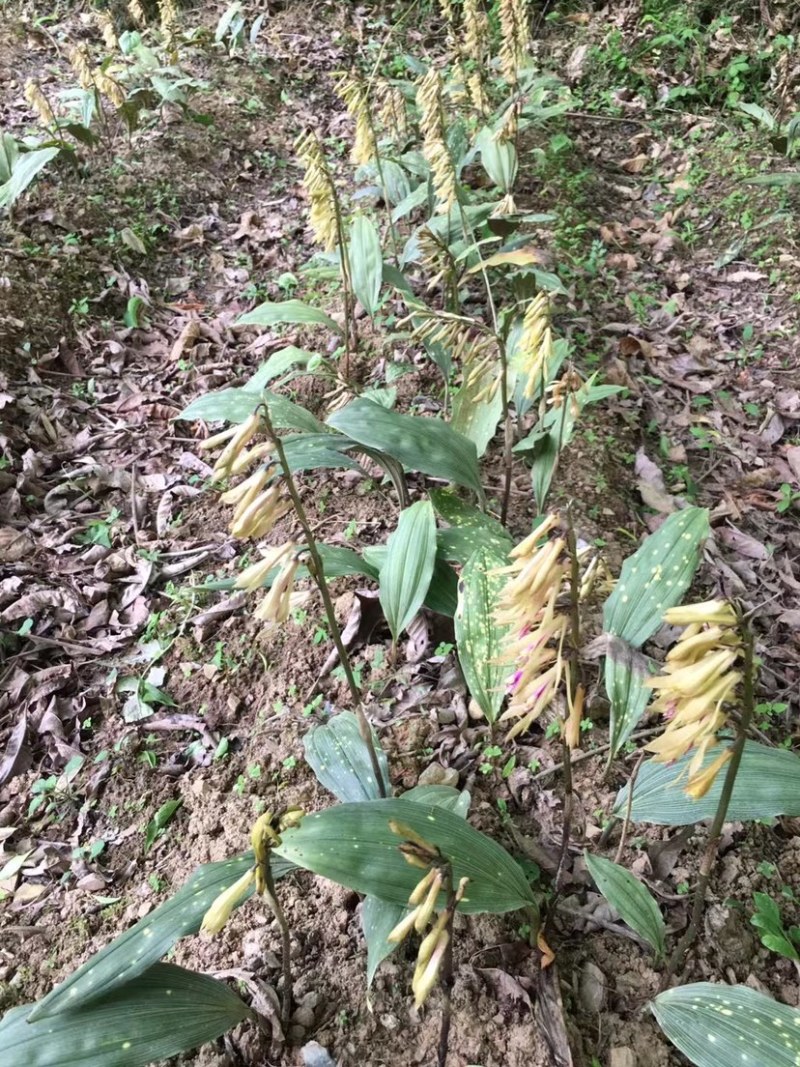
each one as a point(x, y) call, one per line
point(774, 935)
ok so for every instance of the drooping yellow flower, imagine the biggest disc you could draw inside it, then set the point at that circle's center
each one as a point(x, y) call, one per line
point(355, 95)
point(39, 102)
point(277, 604)
point(137, 12)
point(80, 63)
point(515, 37)
point(392, 111)
point(476, 33)
point(109, 87)
point(528, 609)
point(109, 34)
point(434, 144)
point(698, 680)
point(321, 191)
point(535, 349)
point(253, 577)
point(224, 905)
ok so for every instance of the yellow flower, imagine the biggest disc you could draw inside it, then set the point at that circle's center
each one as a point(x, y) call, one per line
point(712, 612)
point(245, 492)
point(696, 678)
point(426, 974)
point(260, 515)
point(276, 605)
point(355, 95)
point(253, 577)
point(222, 908)
point(39, 102)
point(434, 145)
point(238, 439)
point(321, 191)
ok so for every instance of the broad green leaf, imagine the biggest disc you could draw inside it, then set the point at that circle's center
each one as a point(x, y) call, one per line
point(163, 1011)
point(716, 1025)
point(499, 159)
point(767, 785)
point(631, 899)
point(760, 114)
point(366, 262)
point(478, 639)
point(395, 180)
point(309, 451)
point(419, 443)
point(656, 577)
point(9, 153)
point(339, 758)
point(476, 419)
point(459, 542)
point(151, 938)
point(442, 595)
point(458, 512)
point(407, 570)
point(277, 365)
point(223, 405)
point(780, 179)
point(443, 796)
point(26, 165)
point(626, 674)
point(286, 415)
point(378, 917)
point(287, 311)
point(352, 844)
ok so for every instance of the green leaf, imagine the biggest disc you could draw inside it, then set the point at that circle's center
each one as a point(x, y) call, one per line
point(767, 785)
point(478, 638)
point(458, 512)
point(306, 451)
point(477, 420)
point(286, 415)
point(277, 365)
point(626, 674)
point(632, 900)
point(26, 165)
point(419, 443)
point(729, 1026)
point(442, 595)
point(151, 938)
point(443, 796)
point(656, 576)
point(164, 1011)
point(366, 262)
point(499, 159)
point(339, 758)
point(407, 570)
point(224, 405)
point(781, 179)
point(353, 845)
point(459, 542)
point(287, 311)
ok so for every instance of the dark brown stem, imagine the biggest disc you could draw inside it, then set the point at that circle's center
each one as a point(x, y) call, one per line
point(447, 974)
point(714, 834)
point(286, 947)
point(317, 570)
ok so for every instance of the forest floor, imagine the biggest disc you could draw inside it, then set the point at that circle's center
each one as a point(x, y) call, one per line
point(123, 686)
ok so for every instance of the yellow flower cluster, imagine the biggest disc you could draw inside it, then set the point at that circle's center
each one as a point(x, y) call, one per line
point(168, 10)
point(697, 681)
point(137, 12)
point(109, 87)
point(434, 144)
point(391, 109)
point(528, 609)
point(259, 501)
point(355, 96)
point(264, 836)
point(80, 63)
point(536, 344)
point(318, 183)
point(515, 36)
point(422, 901)
point(476, 33)
point(109, 34)
point(39, 102)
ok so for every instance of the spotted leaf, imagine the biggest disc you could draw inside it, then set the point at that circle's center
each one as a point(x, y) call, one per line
point(338, 756)
point(656, 576)
point(478, 639)
point(163, 1011)
point(729, 1026)
point(353, 844)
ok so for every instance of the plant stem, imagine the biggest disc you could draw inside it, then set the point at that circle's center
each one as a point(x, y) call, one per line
point(573, 685)
point(714, 834)
point(350, 339)
point(286, 947)
point(447, 975)
point(508, 433)
point(318, 574)
point(629, 806)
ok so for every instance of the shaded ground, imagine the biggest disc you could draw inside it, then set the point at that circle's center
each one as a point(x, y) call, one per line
point(683, 286)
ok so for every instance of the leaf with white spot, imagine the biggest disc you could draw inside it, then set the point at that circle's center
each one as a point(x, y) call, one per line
point(478, 639)
point(729, 1026)
point(353, 844)
point(656, 576)
point(767, 785)
point(164, 1011)
point(151, 938)
point(339, 758)
point(631, 899)
point(626, 674)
